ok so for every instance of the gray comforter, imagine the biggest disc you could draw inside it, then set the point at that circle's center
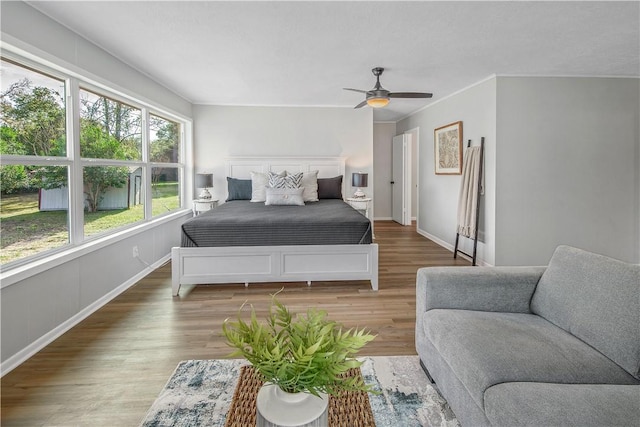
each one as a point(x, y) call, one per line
point(242, 223)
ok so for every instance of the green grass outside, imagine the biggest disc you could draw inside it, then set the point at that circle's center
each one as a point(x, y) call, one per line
point(25, 231)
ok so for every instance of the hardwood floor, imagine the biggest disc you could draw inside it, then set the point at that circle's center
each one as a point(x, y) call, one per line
point(109, 369)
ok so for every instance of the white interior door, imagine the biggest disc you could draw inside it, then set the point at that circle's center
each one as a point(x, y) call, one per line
point(401, 182)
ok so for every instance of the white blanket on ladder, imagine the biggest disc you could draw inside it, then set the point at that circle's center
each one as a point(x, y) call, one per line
point(468, 198)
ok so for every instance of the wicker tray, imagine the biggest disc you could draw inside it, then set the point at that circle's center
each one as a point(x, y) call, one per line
point(350, 409)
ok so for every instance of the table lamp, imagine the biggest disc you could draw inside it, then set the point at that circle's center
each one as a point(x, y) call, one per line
point(359, 180)
point(204, 181)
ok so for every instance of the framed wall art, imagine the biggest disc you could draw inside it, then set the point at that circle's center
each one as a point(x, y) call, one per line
point(448, 149)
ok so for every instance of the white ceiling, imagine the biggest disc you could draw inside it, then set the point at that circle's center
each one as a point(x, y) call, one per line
point(304, 53)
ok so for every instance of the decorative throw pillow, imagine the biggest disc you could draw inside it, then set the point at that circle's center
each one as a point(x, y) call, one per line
point(330, 188)
point(310, 184)
point(284, 196)
point(260, 181)
point(288, 181)
point(238, 189)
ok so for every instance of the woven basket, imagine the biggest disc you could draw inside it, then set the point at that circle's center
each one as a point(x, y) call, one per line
point(349, 409)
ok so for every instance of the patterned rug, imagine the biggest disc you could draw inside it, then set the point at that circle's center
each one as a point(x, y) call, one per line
point(199, 393)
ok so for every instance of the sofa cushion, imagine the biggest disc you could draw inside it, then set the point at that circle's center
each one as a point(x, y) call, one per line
point(540, 404)
point(484, 349)
point(595, 298)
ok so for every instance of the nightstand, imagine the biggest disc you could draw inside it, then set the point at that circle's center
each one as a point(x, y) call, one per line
point(203, 205)
point(361, 204)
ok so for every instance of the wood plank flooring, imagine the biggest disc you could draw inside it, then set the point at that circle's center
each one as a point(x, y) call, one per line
point(109, 369)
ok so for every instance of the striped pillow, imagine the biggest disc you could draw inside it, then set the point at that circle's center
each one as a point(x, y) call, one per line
point(289, 181)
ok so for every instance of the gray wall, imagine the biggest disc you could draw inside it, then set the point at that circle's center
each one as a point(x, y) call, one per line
point(26, 28)
point(39, 303)
point(438, 194)
point(41, 307)
point(568, 167)
point(225, 131)
point(562, 165)
point(383, 134)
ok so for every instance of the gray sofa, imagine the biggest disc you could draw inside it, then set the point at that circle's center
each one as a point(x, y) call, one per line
point(539, 346)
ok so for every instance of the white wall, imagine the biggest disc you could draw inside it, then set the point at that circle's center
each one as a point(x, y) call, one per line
point(229, 131)
point(41, 302)
point(438, 194)
point(383, 134)
point(568, 167)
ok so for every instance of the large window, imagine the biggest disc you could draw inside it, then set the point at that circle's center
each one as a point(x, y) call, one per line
point(110, 130)
point(69, 175)
point(34, 200)
point(165, 157)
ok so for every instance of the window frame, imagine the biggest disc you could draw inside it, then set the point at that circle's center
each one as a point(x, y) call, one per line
point(79, 243)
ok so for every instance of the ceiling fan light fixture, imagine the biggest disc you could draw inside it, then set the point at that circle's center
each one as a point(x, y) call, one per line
point(377, 102)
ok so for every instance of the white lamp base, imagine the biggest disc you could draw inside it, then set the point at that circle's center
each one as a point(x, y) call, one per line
point(204, 194)
point(359, 194)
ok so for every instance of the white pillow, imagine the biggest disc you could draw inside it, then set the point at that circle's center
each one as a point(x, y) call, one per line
point(310, 184)
point(260, 181)
point(284, 196)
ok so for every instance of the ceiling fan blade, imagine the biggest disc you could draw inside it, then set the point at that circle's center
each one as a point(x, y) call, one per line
point(362, 104)
point(410, 95)
point(355, 90)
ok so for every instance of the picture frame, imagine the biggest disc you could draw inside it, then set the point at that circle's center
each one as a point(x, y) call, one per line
point(447, 141)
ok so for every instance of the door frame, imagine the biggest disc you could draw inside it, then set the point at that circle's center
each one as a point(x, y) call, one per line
point(415, 134)
point(406, 189)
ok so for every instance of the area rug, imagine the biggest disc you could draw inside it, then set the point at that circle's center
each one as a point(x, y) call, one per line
point(199, 393)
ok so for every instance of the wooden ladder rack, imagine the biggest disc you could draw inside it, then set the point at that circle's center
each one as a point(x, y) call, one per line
point(477, 219)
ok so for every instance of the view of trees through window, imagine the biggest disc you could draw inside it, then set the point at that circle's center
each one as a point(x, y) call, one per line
point(164, 153)
point(110, 130)
point(35, 212)
point(32, 124)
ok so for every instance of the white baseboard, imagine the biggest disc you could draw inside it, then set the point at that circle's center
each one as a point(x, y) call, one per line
point(435, 239)
point(451, 247)
point(23, 355)
point(383, 218)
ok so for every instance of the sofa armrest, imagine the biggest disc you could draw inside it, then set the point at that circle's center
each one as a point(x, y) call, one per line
point(500, 289)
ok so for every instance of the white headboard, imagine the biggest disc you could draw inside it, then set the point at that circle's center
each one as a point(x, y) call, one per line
point(327, 167)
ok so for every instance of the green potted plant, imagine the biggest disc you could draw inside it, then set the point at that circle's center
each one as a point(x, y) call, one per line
point(306, 354)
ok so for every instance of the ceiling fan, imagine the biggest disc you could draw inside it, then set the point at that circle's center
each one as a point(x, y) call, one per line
point(379, 97)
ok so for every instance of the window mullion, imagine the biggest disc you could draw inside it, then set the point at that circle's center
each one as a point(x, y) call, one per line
point(146, 148)
point(187, 161)
point(76, 181)
point(12, 159)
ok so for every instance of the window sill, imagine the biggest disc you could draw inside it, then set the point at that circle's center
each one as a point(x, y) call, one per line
point(21, 272)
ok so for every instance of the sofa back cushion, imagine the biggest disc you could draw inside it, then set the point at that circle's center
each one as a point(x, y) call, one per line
point(595, 298)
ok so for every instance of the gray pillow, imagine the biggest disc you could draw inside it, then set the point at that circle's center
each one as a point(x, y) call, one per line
point(238, 189)
point(284, 196)
point(330, 188)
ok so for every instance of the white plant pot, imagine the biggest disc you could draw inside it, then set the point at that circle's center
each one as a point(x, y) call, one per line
point(277, 408)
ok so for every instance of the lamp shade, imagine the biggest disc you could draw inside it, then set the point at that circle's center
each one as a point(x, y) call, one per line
point(204, 180)
point(359, 179)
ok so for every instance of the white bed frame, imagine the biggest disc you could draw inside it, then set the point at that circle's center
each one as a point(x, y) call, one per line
point(247, 264)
